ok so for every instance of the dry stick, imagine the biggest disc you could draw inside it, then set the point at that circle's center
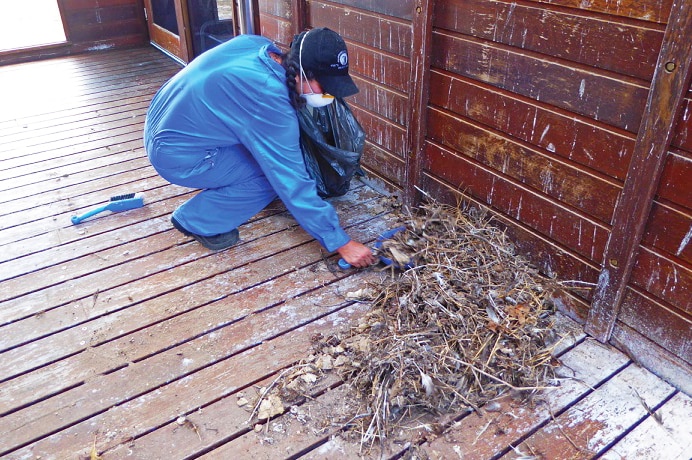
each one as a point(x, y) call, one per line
point(499, 380)
point(656, 416)
point(487, 425)
point(559, 427)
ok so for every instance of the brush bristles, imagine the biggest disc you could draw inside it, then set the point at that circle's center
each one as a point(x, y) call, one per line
point(127, 196)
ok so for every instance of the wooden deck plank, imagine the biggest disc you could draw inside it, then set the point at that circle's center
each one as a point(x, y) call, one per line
point(72, 127)
point(120, 317)
point(588, 365)
point(84, 171)
point(64, 89)
point(118, 102)
point(23, 197)
point(80, 197)
point(100, 141)
point(136, 382)
point(287, 436)
point(282, 234)
point(61, 310)
point(664, 439)
point(589, 427)
point(25, 123)
point(53, 231)
point(97, 136)
point(43, 218)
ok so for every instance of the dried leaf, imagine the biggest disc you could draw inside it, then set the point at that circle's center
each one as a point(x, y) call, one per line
point(519, 312)
point(492, 314)
point(270, 407)
point(325, 363)
point(309, 378)
point(399, 257)
point(459, 330)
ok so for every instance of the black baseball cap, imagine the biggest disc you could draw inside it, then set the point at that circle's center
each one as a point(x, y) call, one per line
point(323, 52)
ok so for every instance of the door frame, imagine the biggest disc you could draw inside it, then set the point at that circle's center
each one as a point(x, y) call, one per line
point(176, 46)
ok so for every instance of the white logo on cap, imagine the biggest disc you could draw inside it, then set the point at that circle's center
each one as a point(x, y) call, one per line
point(342, 57)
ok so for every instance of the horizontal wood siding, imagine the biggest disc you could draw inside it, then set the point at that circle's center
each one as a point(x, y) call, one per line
point(277, 21)
point(378, 36)
point(646, 10)
point(534, 110)
point(559, 33)
point(91, 25)
point(104, 22)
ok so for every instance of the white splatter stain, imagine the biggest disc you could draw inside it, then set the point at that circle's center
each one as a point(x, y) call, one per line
point(100, 47)
point(545, 131)
point(604, 279)
point(582, 88)
point(685, 241)
point(547, 179)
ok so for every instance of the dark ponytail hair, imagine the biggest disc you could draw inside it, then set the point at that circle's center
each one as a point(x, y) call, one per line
point(289, 61)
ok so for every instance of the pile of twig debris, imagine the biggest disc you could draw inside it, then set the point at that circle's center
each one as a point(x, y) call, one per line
point(468, 321)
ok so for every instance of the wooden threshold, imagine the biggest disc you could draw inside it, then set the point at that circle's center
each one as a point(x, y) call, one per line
point(123, 338)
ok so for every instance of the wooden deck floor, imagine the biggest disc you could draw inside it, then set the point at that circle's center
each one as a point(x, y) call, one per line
point(123, 338)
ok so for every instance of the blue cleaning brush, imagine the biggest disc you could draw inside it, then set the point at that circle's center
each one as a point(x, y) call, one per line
point(116, 204)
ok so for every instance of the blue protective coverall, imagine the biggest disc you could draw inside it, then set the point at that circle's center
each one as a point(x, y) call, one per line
point(225, 124)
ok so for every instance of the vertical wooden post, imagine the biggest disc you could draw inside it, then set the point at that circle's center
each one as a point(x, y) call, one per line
point(299, 21)
point(418, 98)
point(670, 83)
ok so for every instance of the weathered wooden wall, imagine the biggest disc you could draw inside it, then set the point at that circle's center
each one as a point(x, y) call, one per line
point(104, 23)
point(533, 109)
point(92, 25)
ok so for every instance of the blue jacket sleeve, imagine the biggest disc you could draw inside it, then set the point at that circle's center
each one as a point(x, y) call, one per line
point(272, 136)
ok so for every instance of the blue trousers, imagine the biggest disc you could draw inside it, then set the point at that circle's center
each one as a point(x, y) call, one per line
point(234, 188)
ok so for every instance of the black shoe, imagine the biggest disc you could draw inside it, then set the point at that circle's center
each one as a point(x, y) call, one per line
point(214, 242)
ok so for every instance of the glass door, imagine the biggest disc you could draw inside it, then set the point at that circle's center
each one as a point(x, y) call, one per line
point(167, 21)
point(30, 23)
point(211, 22)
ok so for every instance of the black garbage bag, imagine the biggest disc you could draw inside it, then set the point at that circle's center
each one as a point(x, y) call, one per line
point(332, 141)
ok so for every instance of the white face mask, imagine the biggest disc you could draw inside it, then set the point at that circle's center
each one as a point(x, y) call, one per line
point(312, 98)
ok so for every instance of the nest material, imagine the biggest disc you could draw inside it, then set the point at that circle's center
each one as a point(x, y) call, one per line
point(468, 322)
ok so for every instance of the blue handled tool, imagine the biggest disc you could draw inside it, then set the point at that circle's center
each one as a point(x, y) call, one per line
point(343, 264)
point(116, 204)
